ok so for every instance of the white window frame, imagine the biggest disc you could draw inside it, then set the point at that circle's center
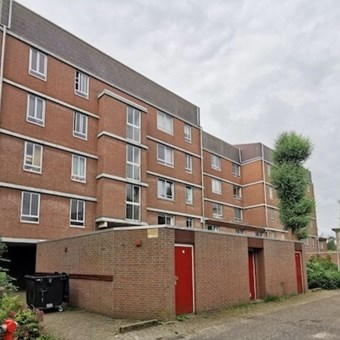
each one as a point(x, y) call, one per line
point(40, 60)
point(213, 228)
point(189, 194)
point(187, 133)
point(32, 107)
point(218, 208)
point(80, 124)
point(216, 186)
point(238, 215)
point(76, 169)
point(31, 217)
point(215, 162)
point(133, 126)
point(165, 122)
point(162, 186)
point(188, 163)
point(168, 153)
point(81, 84)
point(237, 192)
point(77, 222)
point(271, 213)
point(271, 192)
point(189, 222)
point(33, 162)
point(134, 204)
point(133, 164)
point(236, 170)
point(269, 169)
point(168, 219)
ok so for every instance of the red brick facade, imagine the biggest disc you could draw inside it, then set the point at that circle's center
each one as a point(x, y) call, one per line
point(88, 144)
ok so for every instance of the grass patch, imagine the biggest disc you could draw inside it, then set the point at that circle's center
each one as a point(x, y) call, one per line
point(272, 298)
point(182, 317)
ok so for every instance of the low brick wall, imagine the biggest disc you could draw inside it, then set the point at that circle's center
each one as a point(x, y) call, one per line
point(130, 272)
point(221, 270)
point(279, 265)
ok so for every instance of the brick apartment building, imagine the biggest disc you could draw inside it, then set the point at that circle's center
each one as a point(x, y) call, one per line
point(88, 144)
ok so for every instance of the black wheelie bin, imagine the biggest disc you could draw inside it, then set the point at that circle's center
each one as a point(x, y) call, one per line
point(47, 291)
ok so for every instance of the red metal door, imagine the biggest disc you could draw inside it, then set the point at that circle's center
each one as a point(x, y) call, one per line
point(252, 275)
point(298, 267)
point(184, 279)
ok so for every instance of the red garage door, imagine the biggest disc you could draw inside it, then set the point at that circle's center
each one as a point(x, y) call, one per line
point(298, 267)
point(184, 279)
point(252, 275)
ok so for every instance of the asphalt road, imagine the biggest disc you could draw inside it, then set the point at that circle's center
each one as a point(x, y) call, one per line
point(305, 316)
point(316, 320)
point(308, 316)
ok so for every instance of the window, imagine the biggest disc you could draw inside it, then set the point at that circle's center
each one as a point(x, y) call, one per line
point(213, 227)
point(235, 170)
point(38, 64)
point(132, 202)
point(269, 168)
point(33, 157)
point(271, 192)
point(271, 213)
point(165, 122)
point(35, 110)
point(238, 214)
point(81, 85)
point(166, 219)
point(240, 231)
point(77, 213)
point(217, 210)
point(189, 223)
point(187, 133)
point(188, 163)
point(165, 189)
point(237, 191)
point(216, 186)
point(133, 162)
point(30, 206)
point(165, 155)
point(80, 125)
point(215, 162)
point(307, 241)
point(78, 168)
point(133, 124)
point(188, 195)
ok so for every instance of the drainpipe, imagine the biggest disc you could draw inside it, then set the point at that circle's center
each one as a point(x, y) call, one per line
point(264, 186)
point(202, 176)
point(2, 58)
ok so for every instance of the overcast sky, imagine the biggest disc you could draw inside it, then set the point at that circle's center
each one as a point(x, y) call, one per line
point(254, 67)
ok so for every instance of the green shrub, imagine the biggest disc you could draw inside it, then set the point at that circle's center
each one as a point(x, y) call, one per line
point(6, 282)
point(271, 298)
point(322, 273)
point(29, 327)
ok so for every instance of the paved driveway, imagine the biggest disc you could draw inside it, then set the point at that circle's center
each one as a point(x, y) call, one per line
point(308, 316)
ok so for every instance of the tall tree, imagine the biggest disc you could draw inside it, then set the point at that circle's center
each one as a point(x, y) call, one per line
point(290, 179)
point(331, 244)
